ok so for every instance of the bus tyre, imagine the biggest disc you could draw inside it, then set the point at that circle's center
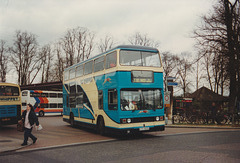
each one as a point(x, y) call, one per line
point(72, 120)
point(101, 126)
point(41, 114)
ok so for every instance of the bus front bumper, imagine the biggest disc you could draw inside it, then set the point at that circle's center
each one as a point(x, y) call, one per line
point(8, 120)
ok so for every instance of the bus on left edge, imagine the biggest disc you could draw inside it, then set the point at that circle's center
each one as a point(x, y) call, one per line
point(10, 103)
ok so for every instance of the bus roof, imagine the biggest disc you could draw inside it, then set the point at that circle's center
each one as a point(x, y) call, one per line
point(9, 84)
point(136, 47)
point(122, 47)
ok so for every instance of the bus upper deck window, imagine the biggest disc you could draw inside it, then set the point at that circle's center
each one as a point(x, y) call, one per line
point(139, 58)
point(99, 64)
point(79, 71)
point(24, 93)
point(66, 75)
point(72, 73)
point(44, 94)
point(53, 95)
point(88, 67)
point(111, 60)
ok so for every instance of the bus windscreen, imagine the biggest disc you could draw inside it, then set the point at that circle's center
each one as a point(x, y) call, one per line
point(139, 58)
point(9, 91)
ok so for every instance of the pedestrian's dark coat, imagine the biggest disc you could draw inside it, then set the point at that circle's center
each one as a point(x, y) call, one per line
point(32, 117)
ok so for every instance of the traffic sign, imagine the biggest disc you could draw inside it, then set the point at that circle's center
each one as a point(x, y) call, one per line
point(166, 97)
point(172, 84)
point(171, 78)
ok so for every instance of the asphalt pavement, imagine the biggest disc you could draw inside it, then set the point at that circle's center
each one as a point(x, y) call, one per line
point(9, 144)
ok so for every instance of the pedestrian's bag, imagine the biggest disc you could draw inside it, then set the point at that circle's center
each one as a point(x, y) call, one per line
point(39, 127)
point(20, 126)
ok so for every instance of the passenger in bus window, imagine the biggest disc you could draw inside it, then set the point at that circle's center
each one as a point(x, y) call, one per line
point(130, 105)
point(112, 65)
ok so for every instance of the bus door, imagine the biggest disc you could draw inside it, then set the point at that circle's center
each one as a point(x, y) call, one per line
point(86, 111)
point(111, 108)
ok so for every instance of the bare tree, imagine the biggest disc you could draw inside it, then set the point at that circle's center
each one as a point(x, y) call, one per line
point(220, 33)
point(105, 44)
point(3, 61)
point(169, 64)
point(47, 62)
point(211, 43)
point(143, 40)
point(24, 57)
point(184, 69)
point(78, 44)
point(199, 72)
point(60, 63)
point(232, 23)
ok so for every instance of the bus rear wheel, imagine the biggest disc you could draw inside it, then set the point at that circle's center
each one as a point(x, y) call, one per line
point(101, 126)
point(41, 114)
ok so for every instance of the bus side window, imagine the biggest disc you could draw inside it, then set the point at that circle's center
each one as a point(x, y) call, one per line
point(88, 67)
point(53, 95)
point(72, 73)
point(24, 93)
point(60, 95)
point(44, 95)
point(99, 64)
point(66, 75)
point(100, 99)
point(79, 71)
point(112, 99)
point(53, 105)
point(72, 96)
point(35, 94)
point(43, 105)
point(60, 105)
point(111, 60)
point(67, 101)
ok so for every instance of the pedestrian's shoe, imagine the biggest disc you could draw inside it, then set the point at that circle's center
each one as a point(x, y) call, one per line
point(23, 144)
point(34, 141)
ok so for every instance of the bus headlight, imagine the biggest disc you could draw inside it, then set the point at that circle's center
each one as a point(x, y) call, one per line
point(128, 120)
point(157, 118)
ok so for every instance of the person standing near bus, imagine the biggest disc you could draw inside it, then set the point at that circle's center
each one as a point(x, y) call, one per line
point(29, 118)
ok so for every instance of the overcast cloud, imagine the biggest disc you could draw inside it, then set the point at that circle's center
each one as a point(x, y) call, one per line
point(169, 22)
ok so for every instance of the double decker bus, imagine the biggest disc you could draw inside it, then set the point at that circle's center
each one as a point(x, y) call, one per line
point(119, 90)
point(44, 102)
point(10, 103)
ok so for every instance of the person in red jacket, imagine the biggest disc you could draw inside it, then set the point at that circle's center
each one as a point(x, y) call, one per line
point(29, 118)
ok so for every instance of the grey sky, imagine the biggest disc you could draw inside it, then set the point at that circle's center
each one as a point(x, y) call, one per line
point(169, 22)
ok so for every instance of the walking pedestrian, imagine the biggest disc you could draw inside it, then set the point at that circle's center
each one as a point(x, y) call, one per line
point(29, 118)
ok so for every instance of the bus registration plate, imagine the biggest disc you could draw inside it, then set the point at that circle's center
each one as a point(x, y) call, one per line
point(144, 129)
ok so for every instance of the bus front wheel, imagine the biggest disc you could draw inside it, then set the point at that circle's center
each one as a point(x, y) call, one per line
point(101, 126)
point(41, 114)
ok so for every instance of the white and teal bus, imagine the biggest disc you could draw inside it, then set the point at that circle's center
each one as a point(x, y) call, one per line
point(121, 90)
